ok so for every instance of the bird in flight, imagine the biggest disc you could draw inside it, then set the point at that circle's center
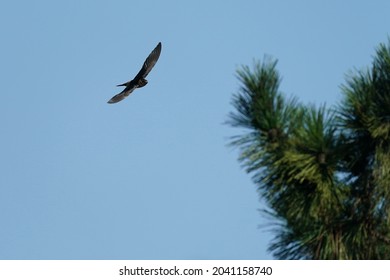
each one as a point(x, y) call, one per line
point(139, 80)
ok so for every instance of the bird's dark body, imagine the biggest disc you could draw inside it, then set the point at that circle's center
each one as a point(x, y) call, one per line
point(139, 80)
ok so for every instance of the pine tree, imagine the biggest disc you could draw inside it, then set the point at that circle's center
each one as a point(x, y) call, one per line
point(324, 173)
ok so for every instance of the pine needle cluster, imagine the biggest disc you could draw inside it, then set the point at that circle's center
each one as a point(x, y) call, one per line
point(324, 173)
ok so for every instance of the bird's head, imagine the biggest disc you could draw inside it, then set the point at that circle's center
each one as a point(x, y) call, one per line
point(142, 82)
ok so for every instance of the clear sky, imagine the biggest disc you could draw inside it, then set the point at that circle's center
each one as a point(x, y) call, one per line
point(151, 177)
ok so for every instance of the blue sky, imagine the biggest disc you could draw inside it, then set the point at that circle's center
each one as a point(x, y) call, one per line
point(151, 177)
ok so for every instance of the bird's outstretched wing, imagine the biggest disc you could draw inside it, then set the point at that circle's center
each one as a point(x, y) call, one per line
point(123, 94)
point(149, 62)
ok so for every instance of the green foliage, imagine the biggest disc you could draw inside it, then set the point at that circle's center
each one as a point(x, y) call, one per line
point(325, 174)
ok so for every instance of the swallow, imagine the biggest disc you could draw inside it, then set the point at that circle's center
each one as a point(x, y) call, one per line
point(139, 80)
